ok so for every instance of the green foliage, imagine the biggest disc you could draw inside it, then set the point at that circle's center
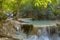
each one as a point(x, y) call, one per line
point(41, 3)
point(9, 5)
point(38, 8)
point(3, 16)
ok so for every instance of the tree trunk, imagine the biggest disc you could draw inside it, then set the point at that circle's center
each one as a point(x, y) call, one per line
point(16, 15)
point(1, 6)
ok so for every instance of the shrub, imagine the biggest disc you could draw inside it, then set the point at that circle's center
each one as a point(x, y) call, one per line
point(3, 16)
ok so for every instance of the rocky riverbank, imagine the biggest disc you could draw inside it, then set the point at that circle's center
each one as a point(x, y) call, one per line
point(7, 31)
point(14, 30)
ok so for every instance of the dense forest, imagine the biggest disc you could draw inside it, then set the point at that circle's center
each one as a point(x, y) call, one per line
point(35, 9)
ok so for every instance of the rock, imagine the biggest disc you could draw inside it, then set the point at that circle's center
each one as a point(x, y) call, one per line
point(34, 31)
point(8, 39)
point(27, 28)
point(51, 30)
point(16, 24)
point(7, 31)
point(58, 26)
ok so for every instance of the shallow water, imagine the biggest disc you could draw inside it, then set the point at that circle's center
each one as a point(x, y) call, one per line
point(47, 22)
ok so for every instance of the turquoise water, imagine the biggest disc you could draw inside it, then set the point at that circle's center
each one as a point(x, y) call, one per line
point(41, 22)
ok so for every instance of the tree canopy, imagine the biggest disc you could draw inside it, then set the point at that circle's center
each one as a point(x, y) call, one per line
point(24, 7)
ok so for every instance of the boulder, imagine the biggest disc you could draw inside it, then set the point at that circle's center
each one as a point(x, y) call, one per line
point(51, 30)
point(7, 31)
point(27, 28)
point(58, 26)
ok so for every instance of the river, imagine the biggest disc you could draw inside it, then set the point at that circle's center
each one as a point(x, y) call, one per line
point(43, 35)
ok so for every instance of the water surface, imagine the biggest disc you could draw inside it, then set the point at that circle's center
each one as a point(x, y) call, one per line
point(41, 22)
